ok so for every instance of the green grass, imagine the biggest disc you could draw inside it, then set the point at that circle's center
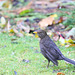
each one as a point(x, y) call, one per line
point(12, 55)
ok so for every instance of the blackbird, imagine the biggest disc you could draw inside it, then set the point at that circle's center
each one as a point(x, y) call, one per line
point(50, 50)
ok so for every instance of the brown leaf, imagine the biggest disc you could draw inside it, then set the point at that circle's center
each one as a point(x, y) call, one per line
point(53, 0)
point(67, 45)
point(60, 20)
point(42, 3)
point(21, 26)
point(13, 39)
point(19, 35)
point(11, 34)
point(55, 37)
point(60, 73)
point(71, 33)
point(47, 21)
point(72, 45)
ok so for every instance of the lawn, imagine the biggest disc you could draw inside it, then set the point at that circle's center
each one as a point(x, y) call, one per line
point(23, 57)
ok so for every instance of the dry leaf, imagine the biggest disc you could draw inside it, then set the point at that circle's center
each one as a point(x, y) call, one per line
point(7, 4)
point(19, 35)
point(61, 39)
point(47, 21)
point(8, 26)
point(21, 26)
point(11, 34)
point(70, 45)
point(60, 73)
point(55, 37)
point(13, 30)
point(3, 20)
point(53, 0)
point(67, 45)
point(13, 39)
point(50, 33)
point(69, 41)
point(60, 20)
point(41, 3)
point(71, 33)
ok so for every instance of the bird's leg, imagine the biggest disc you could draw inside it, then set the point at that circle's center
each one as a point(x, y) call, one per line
point(48, 63)
point(52, 65)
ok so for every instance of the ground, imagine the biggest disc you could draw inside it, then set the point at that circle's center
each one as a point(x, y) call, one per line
point(23, 57)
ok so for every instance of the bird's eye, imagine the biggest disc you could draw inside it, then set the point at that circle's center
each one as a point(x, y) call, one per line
point(40, 32)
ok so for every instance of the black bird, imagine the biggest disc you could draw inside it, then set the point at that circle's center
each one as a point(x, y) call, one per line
point(50, 50)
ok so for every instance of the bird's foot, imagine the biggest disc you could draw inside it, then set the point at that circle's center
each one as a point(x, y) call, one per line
point(47, 66)
point(52, 65)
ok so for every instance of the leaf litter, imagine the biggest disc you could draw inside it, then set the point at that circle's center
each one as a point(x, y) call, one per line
point(38, 14)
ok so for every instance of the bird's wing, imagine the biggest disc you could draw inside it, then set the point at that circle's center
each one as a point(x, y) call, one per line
point(50, 55)
point(50, 44)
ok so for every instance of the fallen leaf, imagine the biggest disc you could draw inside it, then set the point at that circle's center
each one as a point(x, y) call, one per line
point(50, 33)
point(67, 45)
point(61, 39)
point(7, 4)
point(19, 35)
point(69, 41)
point(21, 26)
point(27, 61)
point(60, 20)
point(71, 33)
point(3, 20)
point(25, 11)
point(70, 45)
point(8, 26)
point(11, 34)
point(1, 3)
point(13, 30)
point(47, 21)
point(53, 0)
point(13, 39)
point(60, 73)
point(55, 37)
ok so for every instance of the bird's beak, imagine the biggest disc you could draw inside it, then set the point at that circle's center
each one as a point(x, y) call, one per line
point(35, 32)
point(36, 35)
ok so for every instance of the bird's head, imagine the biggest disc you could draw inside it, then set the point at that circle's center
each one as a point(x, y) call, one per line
point(41, 33)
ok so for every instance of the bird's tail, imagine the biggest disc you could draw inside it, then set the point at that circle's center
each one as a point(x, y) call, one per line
point(69, 60)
